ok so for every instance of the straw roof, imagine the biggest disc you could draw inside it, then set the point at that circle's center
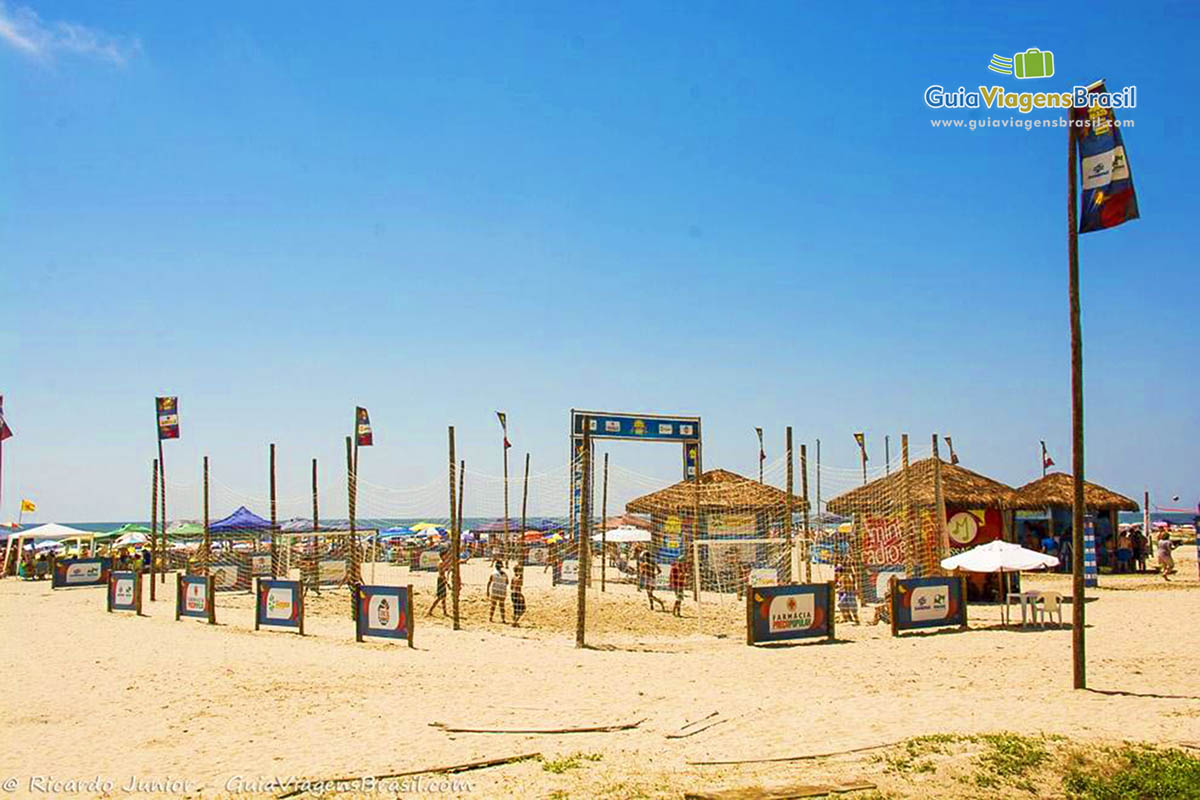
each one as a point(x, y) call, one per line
point(960, 487)
point(720, 490)
point(1056, 490)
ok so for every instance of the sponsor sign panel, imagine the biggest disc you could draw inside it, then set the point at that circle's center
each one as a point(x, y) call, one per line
point(428, 560)
point(125, 592)
point(194, 597)
point(260, 565)
point(569, 573)
point(384, 611)
point(280, 603)
point(790, 611)
point(80, 572)
point(927, 603)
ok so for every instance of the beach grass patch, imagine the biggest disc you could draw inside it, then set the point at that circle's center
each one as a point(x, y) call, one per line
point(1134, 772)
point(560, 765)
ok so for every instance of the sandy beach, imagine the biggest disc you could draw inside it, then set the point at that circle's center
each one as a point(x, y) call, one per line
point(194, 710)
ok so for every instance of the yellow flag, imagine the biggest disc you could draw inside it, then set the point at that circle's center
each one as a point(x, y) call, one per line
point(28, 505)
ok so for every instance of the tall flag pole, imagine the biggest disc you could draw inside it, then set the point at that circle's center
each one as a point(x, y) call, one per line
point(167, 411)
point(762, 454)
point(1108, 200)
point(5, 433)
point(500, 415)
point(861, 438)
point(363, 437)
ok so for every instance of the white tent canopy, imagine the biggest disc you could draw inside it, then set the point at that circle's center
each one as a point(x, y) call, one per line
point(53, 531)
point(623, 534)
point(999, 556)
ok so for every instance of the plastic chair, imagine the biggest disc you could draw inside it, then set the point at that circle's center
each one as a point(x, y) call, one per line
point(1051, 604)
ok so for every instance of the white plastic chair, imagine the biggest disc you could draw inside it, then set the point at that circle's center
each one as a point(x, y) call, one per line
point(1051, 604)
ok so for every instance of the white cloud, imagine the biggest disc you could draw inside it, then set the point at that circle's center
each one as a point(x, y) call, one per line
point(23, 30)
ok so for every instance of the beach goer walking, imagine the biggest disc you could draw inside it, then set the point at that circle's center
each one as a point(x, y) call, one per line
point(676, 580)
point(439, 596)
point(1166, 560)
point(497, 591)
point(518, 593)
point(847, 598)
point(647, 577)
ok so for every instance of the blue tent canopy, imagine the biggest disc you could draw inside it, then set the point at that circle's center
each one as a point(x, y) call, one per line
point(241, 520)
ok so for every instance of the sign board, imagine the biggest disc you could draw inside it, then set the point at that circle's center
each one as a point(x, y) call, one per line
point(125, 592)
point(279, 603)
point(80, 572)
point(385, 611)
point(428, 560)
point(569, 572)
point(230, 577)
point(260, 565)
point(791, 611)
point(928, 603)
point(195, 597)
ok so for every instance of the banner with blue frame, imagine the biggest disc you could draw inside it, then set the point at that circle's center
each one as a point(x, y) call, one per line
point(385, 611)
point(125, 592)
point(195, 597)
point(279, 603)
point(928, 603)
point(70, 572)
point(791, 611)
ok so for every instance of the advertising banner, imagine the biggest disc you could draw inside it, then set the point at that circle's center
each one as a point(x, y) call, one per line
point(384, 611)
point(331, 571)
point(928, 603)
point(80, 572)
point(279, 603)
point(195, 597)
point(791, 611)
point(125, 592)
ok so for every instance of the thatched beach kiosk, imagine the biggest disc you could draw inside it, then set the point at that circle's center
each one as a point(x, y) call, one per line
point(1043, 507)
point(897, 526)
point(729, 506)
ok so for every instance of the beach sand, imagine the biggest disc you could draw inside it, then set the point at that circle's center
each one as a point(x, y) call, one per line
point(226, 709)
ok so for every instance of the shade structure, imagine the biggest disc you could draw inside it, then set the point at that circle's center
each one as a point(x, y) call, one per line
point(51, 530)
point(999, 556)
point(628, 521)
point(185, 528)
point(1056, 490)
point(241, 520)
point(127, 528)
point(131, 538)
point(424, 526)
point(719, 491)
point(960, 487)
point(623, 535)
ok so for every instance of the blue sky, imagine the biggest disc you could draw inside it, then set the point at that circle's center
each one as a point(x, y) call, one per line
point(277, 211)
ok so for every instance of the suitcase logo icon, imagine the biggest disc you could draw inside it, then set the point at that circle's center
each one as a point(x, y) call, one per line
point(1033, 63)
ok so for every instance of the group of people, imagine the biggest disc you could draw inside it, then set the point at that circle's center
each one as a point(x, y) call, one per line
point(500, 589)
point(1126, 552)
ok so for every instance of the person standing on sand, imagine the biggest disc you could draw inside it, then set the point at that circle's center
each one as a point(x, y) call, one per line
point(1137, 540)
point(647, 577)
point(676, 580)
point(1124, 552)
point(440, 594)
point(847, 598)
point(1166, 561)
point(497, 592)
point(518, 594)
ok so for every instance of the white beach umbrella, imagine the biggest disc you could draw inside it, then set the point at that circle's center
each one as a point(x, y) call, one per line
point(132, 538)
point(624, 534)
point(999, 556)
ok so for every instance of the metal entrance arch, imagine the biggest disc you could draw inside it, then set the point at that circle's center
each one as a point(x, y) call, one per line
point(682, 430)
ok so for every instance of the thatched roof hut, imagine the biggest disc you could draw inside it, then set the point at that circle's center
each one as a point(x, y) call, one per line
point(721, 491)
point(1056, 490)
point(960, 487)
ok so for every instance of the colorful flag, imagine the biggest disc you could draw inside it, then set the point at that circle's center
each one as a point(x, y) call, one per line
point(168, 417)
point(504, 427)
point(28, 505)
point(1108, 196)
point(362, 427)
point(5, 431)
point(762, 454)
point(861, 438)
point(1047, 461)
point(953, 455)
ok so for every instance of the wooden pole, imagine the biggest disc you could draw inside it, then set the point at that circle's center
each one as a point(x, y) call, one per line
point(585, 513)
point(455, 527)
point(604, 526)
point(940, 501)
point(207, 533)
point(274, 520)
point(153, 527)
point(820, 517)
point(507, 544)
point(316, 514)
point(162, 498)
point(696, 532)
point(1077, 510)
point(524, 510)
point(806, 552)
point(914, 531)
point(351, 576)
point(790, 510)
point(887, 455)
point(862, 453)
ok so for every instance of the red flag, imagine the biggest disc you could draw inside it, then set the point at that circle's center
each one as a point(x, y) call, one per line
point(362, 427)
point(5, 431)
point(504, 427)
